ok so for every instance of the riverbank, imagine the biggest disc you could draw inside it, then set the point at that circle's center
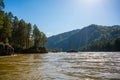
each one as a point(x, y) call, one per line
point(6, 49)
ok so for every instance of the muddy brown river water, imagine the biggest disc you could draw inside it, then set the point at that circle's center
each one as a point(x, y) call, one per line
point(61, 66)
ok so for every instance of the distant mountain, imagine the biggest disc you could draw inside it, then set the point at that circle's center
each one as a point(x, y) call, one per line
point(82, 37)
point(112, 45)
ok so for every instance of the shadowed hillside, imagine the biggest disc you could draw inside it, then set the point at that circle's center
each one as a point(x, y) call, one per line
point(78, 38)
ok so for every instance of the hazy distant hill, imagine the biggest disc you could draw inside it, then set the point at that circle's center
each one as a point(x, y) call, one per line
point(82, 37)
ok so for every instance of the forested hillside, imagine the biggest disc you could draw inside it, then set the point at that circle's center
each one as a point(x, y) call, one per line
point(112, 45)
point(82, 37)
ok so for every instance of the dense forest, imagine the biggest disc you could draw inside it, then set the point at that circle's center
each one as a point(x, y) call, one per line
point(18, 33)
point(76, 39)
point(112, 45)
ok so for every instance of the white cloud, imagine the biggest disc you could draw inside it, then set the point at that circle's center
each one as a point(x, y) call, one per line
point(49, 34)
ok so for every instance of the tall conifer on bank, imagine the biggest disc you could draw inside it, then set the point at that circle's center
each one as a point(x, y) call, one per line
point(1, 18)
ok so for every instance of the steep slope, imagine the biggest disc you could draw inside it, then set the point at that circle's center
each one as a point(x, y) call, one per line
point(55, 40)
point(82, 37)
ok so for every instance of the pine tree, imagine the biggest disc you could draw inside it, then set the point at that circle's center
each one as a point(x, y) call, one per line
point(6, 30)
point(28, 32)
point(37, 36)
point(1, 18)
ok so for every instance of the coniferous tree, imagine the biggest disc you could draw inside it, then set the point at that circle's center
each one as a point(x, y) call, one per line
point(15, 37)
point(21, 33)
point(6, 30)
point(37, 36)
point(1, 18)
point(2, 5)
point(43, 39)
point(28, 32)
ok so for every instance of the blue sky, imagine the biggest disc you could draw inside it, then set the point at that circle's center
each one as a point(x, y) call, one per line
point(58, 16)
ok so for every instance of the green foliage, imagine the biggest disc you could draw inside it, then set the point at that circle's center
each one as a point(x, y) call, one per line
point(28, 34)
point(37, 36)
point(2, 5)
point(117, 44)
point(14, 39)
point(112, 45)
point(82, 37)
point(6, 40)
point(1, 19)
point(43, 39)
point(17, 32)
point(6, 29)
point(40, 38)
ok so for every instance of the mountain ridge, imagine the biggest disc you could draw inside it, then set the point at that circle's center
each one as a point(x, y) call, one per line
point(81, 37)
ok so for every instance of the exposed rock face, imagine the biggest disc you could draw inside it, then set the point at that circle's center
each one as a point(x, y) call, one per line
point(6, 49)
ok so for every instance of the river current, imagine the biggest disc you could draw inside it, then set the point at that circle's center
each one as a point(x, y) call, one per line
point(61, 66)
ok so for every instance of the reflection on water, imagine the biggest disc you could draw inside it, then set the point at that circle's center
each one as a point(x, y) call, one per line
point(61, 66)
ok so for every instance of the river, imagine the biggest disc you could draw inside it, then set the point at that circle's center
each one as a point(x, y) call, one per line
point(61, 66)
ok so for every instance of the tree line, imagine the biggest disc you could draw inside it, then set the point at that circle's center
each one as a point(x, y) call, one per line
point(112, 45)
point(19, 33)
